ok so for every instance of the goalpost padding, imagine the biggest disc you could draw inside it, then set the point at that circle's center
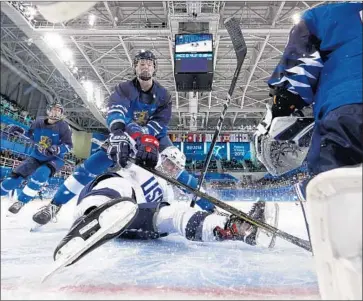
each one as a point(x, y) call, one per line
point(334, 202)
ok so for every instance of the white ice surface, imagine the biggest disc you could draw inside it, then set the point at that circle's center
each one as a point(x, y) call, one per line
point(168, 268)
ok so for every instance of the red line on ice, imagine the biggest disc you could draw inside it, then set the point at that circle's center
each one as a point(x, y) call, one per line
point(242, 291)
point(233, 292)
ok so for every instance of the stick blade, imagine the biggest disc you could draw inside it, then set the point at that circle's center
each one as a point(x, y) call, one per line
point(238, 41)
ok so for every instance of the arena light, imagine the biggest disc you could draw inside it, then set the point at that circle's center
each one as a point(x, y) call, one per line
point(87, 84)
point(70, 63)
point(296, 18)
point(66, 55)
point(30, 12)
point(54, 40)
point(91, 19)
point(98, 98)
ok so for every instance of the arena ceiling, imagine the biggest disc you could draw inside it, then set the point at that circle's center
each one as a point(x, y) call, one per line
point(95, 57)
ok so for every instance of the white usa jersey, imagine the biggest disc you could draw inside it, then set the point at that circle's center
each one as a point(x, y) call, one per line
point(148, 187)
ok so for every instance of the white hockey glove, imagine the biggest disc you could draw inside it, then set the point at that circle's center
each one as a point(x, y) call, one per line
point(121, 147)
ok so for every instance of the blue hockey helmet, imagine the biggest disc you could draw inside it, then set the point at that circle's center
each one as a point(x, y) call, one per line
point(55, 111)
point(145, 55)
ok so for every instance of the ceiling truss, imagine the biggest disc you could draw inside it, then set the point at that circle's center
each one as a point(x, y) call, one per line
point(104, 55)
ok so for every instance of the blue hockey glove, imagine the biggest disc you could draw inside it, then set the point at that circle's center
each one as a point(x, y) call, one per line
point(120, 147)
point(147, 151)
point(15, 130)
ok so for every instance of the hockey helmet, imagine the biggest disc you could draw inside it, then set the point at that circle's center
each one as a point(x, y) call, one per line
point(145, 55)
point(171, 161)
point(55, 111)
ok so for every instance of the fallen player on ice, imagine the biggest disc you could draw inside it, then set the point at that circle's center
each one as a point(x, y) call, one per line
point(133, 203)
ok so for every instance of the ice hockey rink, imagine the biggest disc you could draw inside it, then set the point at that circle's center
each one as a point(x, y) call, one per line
point(168, 268)
point(77, 54)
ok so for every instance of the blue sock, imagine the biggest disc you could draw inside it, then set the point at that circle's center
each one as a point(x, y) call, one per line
point(85, 173)
point(9, 184)
point(37, 180)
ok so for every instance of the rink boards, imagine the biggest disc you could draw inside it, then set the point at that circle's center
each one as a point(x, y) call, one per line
point(169, 268)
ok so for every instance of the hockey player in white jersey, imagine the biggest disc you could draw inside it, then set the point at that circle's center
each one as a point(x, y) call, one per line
point(133, 203)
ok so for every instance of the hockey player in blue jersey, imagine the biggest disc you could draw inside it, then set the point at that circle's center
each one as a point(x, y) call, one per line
point(54, 139)
point(322, 66)
point(139, 112)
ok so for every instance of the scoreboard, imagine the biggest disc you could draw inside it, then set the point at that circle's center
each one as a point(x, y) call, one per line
point(193, 61)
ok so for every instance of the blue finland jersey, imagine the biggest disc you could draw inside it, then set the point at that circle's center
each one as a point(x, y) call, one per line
point(47, 135)
point(322, 61)
point(151, 110)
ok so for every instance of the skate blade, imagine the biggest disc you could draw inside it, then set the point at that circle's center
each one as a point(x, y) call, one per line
point(115, 220)
point(35, 227)
point(10, 214)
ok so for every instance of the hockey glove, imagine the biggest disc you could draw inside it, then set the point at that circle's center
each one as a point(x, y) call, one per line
point(147, 151)
point(120, 147)
point(15, 130)
point(284, 102)
point(50, 151)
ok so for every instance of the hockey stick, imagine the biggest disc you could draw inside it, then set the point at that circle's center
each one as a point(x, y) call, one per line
point(286, 236)
point(301, 198)
point(239, 45)
point(306, 222)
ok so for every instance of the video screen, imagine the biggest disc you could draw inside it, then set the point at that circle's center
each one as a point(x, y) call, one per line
point(198, 42)
point(193, 62)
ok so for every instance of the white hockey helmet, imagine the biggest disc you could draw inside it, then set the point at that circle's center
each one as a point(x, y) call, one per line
point(171, 161)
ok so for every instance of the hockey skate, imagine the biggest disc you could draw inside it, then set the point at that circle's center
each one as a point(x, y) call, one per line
point(46, 213)
point(238, 229)
point(15, 207)
point(93, 229)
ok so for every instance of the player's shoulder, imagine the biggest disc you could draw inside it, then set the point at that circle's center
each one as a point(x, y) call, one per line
point(161, 92)
point(39, 121)
point(125, 86)
point(62, 124)
point(337, 10)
